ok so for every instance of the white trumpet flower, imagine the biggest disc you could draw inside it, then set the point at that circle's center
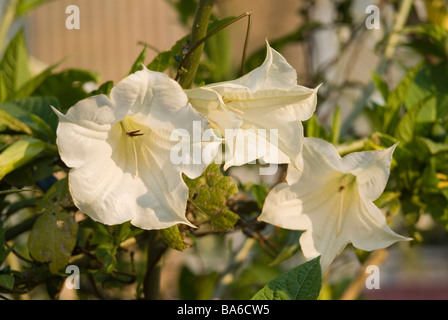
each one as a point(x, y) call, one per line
point(266, 99)
point(119, 152)
point(332, 200)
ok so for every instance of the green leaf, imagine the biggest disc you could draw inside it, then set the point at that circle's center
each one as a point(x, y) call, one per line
point(67, 86)
point(36, 114)
point(53, 238)
point(6, 281)
point(173, 238)
point(125, 231)
point(106, 253)
point(314, 129)
point(434, 147)
point(335, 127)
point(103, 89)
point(20, 153)
point(405, 130)
point(259, 192)
point(395, 100)
point(380, 85)
point(137, 65)
point(3, 88)
point(25, 6)
point(31, 85)
point(13, 123)
point(430, 81)
point(162, 61)
point(166, 59)
point(301, 283)
point(15, 64)
point(57, 195)
point(209, 193)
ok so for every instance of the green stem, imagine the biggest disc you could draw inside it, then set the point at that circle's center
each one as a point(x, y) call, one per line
point(357, 145)
point(199, 31)
point(156, 249)
point(389, 51)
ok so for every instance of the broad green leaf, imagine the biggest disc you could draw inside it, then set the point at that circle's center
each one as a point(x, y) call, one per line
point(25, 113)
point(20, 153)
point(67, 86)
point(57, 195)
point(162, 61)
point(32, 84)
point(53, 238)
point(15, 64)
point(13, 123)
point(429, 81)
point(173, 238)
point(301, 283)
point(209, 194)
point(41, 107)
point(166, 59)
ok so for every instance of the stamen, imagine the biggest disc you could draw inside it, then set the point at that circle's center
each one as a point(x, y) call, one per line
point(134, 133)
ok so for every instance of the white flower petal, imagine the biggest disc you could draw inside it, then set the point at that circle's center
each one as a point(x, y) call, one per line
point(371, 169)
point(267, 98)
point(327, 200)
point(85, 127)
point(120, 152)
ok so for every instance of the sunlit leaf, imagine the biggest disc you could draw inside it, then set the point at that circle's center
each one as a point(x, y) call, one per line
point(209, 193)
point(20, 153)
point(173, 238)
point(53, 238)
point(15, 64)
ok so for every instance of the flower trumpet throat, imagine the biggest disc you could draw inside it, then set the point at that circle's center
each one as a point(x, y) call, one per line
point(347, 181)
point(132, 132)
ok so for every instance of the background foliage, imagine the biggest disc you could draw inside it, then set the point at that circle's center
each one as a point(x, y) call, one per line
point(41, 232)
